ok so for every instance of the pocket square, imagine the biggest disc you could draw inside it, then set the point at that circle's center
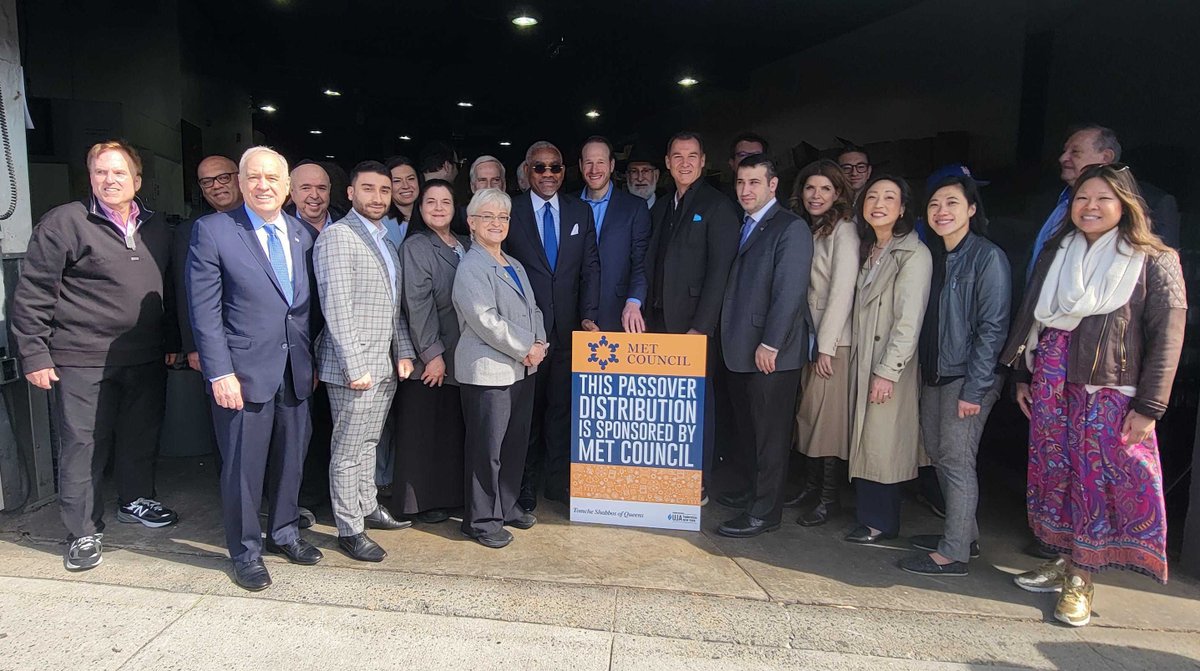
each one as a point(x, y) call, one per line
point(695, 217)
point(575, 229)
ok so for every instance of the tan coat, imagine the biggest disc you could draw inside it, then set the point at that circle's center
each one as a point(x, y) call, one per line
point(831, 286)
point(889, 305)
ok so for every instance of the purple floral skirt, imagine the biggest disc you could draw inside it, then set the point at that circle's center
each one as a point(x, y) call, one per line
point(1090, 497)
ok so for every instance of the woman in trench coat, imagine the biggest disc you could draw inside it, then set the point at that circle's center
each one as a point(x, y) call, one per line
point(890, 299)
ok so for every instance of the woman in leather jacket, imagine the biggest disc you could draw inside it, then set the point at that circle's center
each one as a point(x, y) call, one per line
point(965, 326)
point(1094, 348)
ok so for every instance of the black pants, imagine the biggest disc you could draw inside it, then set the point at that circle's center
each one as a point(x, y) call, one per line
point(764, 412)
point(548, 459)
point(497, 422)
point(314, 487)
point(279, 430)
point(103, 412)
point(878, 505)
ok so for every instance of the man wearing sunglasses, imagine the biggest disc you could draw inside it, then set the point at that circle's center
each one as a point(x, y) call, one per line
point(217, 176)
point(553, 235)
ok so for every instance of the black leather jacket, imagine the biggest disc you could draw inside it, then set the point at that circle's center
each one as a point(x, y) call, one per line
point(973, 314)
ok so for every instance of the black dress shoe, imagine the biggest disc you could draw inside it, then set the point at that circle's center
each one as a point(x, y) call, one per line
point(434, 516)
point(862, 535)
point(745, 526)
point(382, 519)
point(362, 548)
point(495, 539)
point(923, 564)
point(1040, 550)
point(251, 575)
point(734, 499)
point(298, 551)
point(525, 521)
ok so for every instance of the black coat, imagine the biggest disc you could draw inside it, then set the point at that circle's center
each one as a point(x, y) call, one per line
point(699, 252)
point(571, 292)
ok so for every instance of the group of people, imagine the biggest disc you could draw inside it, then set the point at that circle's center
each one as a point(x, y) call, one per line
point(418, 344)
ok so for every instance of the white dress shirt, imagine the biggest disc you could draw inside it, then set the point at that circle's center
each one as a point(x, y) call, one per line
point(281, 232)
point(539, 207)
point(378, 233)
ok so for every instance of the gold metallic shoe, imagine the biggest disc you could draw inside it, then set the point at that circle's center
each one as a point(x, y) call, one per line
point(1048, 577)
point(1075, 604)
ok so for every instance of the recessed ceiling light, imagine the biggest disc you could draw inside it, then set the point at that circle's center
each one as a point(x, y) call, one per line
point(464, 103)
point(688, 81)
point(405, 138)
point(315, 132)
point(592, 114)
point(524, 21)
point(330, 156)
point(505, 143)
point(332, 92)
point(268, 108)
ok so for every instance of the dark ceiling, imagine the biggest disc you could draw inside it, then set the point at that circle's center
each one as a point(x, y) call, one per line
point(403, 65)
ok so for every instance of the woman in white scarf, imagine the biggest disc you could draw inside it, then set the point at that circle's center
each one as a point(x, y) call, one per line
point(1101, 331)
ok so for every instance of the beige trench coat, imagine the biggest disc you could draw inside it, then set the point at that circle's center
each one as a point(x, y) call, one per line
point(889, 305)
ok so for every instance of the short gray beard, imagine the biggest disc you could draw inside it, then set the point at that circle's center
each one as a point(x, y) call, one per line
point(643, 192)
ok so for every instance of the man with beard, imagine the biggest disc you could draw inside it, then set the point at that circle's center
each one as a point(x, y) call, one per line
point(641, 178)
point(364, 348)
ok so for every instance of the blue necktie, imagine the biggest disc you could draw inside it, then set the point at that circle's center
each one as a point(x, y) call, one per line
point(550, 237)
point(747, 229)
point(278, 262)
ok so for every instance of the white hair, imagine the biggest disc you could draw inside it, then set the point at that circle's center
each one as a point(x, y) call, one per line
point(485, 197)
point(253, 151)
point(487, 159)
point(538, 146)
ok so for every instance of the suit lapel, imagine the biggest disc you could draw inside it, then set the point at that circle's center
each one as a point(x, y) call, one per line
point(250, 237)
point(360, 227)
point(444, 252)
point(882, 277)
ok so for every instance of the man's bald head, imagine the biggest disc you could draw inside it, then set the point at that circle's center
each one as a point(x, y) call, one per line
point(310, 193)
point(218, 182)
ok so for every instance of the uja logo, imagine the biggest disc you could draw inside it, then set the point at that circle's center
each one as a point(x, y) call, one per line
point(604, 353)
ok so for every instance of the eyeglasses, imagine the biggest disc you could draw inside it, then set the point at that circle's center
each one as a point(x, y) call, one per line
point(554, 168)
point(851, 168)
point(489, 219)
point(223, 178)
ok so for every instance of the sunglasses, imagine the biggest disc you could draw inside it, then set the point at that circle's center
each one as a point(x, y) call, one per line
point(541, 168)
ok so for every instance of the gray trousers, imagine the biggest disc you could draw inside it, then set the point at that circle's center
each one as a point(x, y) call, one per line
point(358, 418)
point(952, 445)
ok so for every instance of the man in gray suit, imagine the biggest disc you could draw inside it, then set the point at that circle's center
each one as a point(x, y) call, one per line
point(364, 348)
point(764, 339)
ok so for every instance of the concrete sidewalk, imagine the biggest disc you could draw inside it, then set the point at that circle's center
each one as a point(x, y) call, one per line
point(561, 596)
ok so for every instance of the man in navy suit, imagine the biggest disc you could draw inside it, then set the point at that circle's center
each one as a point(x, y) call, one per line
point(554, 236)
point(622, 232)
point(250, 294)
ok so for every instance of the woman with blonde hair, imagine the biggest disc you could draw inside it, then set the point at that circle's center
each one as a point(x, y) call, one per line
point(1094, 348)
point(824, 196)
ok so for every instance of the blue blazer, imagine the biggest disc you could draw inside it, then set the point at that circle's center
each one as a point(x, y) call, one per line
point(624, 237)
point(240, 319)
point(570, 293)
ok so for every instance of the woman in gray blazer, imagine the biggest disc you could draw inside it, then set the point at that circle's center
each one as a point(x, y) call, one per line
point(428, 439)
point(502, 342)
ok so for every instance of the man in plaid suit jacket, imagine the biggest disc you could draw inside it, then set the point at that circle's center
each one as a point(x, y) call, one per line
point(364, 349)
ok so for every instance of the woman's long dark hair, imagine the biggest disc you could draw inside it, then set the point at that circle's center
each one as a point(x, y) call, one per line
point(903, 225)
point(843, 203)
point(393, 163)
